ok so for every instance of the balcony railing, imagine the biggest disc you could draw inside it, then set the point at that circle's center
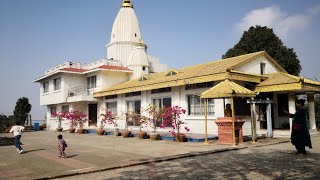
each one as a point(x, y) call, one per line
point(82, 91)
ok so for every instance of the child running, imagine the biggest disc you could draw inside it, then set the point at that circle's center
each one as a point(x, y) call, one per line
point(61, 147)
point(17, 131)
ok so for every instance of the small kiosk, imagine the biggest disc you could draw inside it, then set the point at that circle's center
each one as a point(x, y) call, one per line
point(229, 128)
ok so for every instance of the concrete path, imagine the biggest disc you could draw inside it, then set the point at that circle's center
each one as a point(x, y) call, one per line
point(93, 153)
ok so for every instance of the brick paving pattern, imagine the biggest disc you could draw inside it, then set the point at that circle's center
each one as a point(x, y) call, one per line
point(109, 157)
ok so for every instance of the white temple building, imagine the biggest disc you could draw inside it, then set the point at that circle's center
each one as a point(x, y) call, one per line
point(129, 80)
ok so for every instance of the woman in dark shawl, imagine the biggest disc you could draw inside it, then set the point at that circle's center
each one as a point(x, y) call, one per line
point(300, 136)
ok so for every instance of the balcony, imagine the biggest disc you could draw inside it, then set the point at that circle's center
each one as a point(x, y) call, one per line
point(82, 93)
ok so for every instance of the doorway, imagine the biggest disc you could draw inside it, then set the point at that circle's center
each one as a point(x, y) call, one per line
point(93, 108)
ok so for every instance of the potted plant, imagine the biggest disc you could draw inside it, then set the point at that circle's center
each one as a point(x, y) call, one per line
point(155, 117)
point(109, 118)
point(72, 117)
point(77, 118)
point(171, 117)
point(59, 115)
point(143, 123)
point(134, 117)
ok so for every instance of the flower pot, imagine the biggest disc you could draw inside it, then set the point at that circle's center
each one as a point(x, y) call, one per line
point(72, 130)
point(154, 136)
point(126, 134)
point(59, 129)
point(116, 132)
point(81, 131)
point(142, 135)
point(180, 137)
point(101, 131)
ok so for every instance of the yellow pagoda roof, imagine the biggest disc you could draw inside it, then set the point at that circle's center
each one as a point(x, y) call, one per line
point(212, 71)
point(228, 88)
point(285, 82)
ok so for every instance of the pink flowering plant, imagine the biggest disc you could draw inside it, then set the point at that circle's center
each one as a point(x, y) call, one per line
point(172, 117)
point(76, 118)
point(155, 116)
point(107, 118)
point(59, 115)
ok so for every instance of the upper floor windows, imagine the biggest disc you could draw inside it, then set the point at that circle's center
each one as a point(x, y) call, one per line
point(45, 87)
point(92, 82)
point(57, 84)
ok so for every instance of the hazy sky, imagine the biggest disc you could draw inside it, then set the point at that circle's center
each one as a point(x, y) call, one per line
point(36, 35)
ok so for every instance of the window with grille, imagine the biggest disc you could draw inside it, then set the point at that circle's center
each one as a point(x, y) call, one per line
point(112, 106)
point(196, 105)
point(133, 106)
point(92, 82)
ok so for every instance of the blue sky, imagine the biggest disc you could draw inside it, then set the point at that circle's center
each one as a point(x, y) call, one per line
point(36, 35)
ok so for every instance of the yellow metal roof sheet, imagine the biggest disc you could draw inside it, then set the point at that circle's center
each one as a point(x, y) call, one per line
point(286, 82)
point(227, 89)
point(212, 71)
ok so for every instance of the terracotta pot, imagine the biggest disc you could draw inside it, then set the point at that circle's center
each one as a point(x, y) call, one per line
point(116, 132)
point(126, 134)
point(81, 131)
point(59, 129)
point(142, 135)
point(72, 130)
point(180, 137)
point(154, 136)
point(100, 131)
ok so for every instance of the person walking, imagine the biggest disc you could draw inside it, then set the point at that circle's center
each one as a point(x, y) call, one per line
point(300, 136)
point(62, 146)
point(17, 132)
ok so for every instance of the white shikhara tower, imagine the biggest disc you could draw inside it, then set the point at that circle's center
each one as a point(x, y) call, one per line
point(126, 44)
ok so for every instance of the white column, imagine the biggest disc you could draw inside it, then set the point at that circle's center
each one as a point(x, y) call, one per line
point(254, 119)
point(312, 119)
point(269, 121)
point(292, 106)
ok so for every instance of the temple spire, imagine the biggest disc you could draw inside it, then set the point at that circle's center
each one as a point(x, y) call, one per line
point(127, 4)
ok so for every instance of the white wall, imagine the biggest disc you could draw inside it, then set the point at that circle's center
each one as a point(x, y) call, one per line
point(253, 67)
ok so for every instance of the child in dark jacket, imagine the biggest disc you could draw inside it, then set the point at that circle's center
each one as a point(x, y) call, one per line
point(61, 147)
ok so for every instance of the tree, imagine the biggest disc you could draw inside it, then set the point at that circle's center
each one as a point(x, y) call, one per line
point(22, 109)
point(263, 39)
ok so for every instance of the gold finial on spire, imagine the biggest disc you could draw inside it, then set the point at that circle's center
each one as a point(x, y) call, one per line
point(140, 43)
point(127, 3)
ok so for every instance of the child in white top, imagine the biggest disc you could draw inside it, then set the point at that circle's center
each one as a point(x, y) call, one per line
point(17, 132)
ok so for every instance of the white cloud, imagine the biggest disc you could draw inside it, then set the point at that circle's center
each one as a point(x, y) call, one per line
point(273, 17)
point(314, 10)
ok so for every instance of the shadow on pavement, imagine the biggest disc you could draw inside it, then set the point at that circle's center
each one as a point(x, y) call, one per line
point(28, 151)
point(257, 164)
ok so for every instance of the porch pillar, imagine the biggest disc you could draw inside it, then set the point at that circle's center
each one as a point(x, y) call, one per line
point(292, 106)
point(269, 121)
point(312, 119)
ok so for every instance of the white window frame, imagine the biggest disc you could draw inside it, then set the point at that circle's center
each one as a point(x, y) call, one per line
point(196, 107)
point(45, 89)
point(112, 106)
point(57, 84)
point(161, 104)
point(64, 110)
point(92, 82)
point(133, 107)
point(53, 109)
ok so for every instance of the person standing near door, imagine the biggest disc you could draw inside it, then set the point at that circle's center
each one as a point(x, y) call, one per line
point(17, 131)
